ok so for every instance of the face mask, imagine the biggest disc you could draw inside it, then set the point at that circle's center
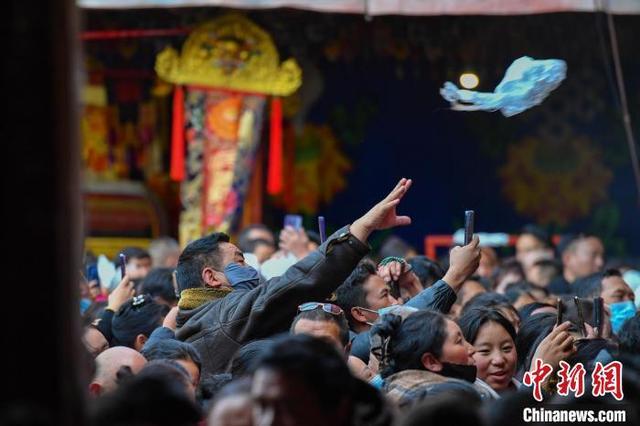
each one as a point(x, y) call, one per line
point(242, 277)
point(377, 382)
point(620, 312)
point(403, 311)
point(459, 371)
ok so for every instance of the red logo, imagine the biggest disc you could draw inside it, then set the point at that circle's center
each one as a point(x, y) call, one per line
point(571, 379)
point(607, 379)
point(536, 377)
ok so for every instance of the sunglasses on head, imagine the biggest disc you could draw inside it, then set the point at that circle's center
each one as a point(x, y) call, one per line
point(329, 308)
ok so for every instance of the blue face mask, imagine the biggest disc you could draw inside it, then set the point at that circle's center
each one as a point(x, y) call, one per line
point(377, 382)
point(242, 277)
point(620, 312)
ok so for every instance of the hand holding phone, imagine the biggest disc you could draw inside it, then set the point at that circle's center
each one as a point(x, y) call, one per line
point(468, 226)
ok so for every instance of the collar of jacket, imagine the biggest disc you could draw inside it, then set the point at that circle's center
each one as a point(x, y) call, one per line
point(192, 298)
point(408, 379)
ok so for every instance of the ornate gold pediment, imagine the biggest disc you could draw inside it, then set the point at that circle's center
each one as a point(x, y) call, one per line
point(230, 52)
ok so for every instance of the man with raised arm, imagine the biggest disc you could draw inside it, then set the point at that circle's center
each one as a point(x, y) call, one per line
point(218, 317)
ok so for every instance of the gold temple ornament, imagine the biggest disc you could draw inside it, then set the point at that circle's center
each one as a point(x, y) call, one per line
point(231, 53)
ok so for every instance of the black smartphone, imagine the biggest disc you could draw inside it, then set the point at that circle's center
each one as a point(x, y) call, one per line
point(598, 307)
point(468, 226)
point(559, 308)
point(581, 325)
point(123, 264)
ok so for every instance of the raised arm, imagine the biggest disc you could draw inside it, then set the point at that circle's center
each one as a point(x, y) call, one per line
point(322, 271)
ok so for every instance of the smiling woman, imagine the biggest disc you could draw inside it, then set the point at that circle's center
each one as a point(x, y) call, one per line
point(493, 338)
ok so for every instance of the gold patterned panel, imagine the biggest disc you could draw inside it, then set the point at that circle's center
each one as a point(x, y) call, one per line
point(230, 52)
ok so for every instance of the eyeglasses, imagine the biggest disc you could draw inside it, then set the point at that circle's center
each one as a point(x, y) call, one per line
point(329, 308)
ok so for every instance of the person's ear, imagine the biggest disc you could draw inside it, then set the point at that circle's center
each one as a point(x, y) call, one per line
point(430, 362)
point(95, 389)
point(138, 344)
point(358, 315)
point(211, 278)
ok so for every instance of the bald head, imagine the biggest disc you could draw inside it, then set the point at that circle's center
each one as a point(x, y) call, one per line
point(107, 365)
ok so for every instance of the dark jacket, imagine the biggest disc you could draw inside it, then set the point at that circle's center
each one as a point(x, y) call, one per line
point(559, 286)
point(218, 328)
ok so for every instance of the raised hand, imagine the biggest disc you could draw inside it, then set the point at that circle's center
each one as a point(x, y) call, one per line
point(123, 292)
point(557, 346)
point(383, 215)
point(463, 262)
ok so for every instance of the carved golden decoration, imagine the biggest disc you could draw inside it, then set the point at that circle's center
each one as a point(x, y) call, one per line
point(230, 52)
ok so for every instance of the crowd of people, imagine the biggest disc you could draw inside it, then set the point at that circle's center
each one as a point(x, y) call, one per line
point(297, 331)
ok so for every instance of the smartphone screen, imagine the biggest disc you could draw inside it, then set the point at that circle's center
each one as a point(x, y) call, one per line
point(123, 264)
point(468, 226)
point(293, 220)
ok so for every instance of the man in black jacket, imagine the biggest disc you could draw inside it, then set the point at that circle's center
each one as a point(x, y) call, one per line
point(218, 319)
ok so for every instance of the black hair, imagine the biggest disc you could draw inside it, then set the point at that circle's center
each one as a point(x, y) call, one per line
point(526, 310)
point(166, 368)
point(244, 360)
point(488, 300)
point(591, 285)
point(513, 291)
point(133, 253)
point(532, 331)
point(140, 315)
point(538, 233)
point(312, 362)
point(173, 350)
point(320, 315)
point(444, 409)
point(159, 284)
point(394, 246)
point(419, 333)
point(201, 253)
point(247, 244)
point(148, 399)
point(314, 237)
point(508, 266)
point(93, 312)
point(427, 270)
point(504, 410)
point(351, 293)
point(629, 335)
point(473, 319)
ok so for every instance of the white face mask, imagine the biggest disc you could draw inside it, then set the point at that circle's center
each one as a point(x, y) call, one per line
point(389, 309)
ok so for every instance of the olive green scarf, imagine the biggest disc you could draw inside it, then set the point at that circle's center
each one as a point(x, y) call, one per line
point(192, 298)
